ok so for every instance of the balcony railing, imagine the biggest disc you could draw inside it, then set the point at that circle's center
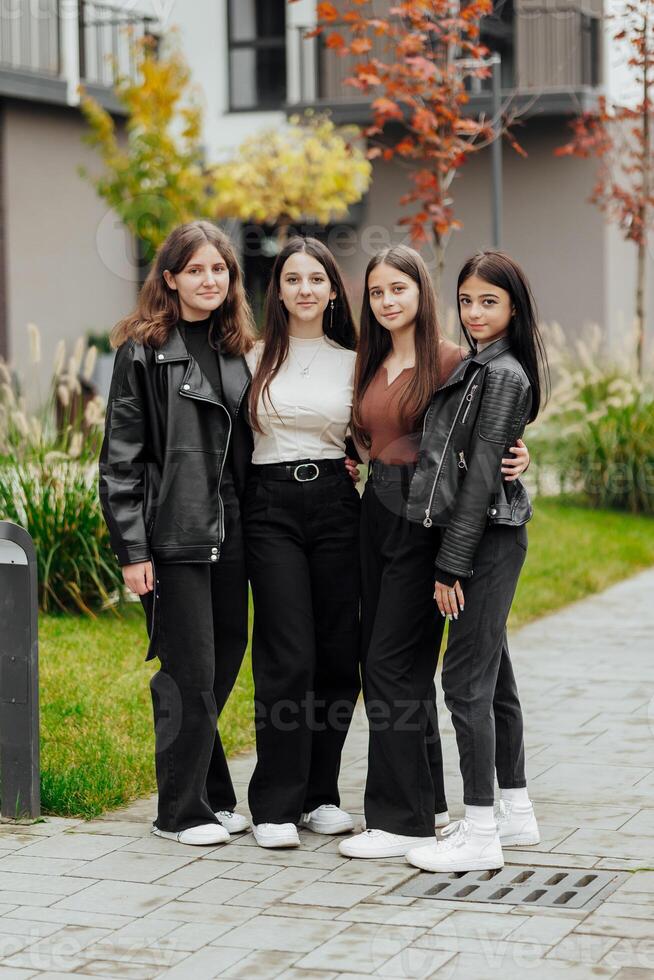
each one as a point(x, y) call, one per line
point(542, 50)
point(106, 36)
point(63, 43)
point(30, 37)
point(557, 48)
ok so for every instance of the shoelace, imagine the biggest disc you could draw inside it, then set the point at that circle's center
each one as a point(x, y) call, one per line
point(455, 833)
point(225, 813)
point(502, 810)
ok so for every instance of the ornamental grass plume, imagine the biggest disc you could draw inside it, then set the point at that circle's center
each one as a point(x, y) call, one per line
point(48, 482)
point(597, 431)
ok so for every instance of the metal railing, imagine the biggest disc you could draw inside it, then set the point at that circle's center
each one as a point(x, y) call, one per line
point(558, 48)
point(541, 48)
point(106, 35)
point(30, 36)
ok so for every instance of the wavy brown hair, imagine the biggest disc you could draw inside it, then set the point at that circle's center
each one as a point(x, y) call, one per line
point(338, 324)
point(158, 309)
point(375, 342)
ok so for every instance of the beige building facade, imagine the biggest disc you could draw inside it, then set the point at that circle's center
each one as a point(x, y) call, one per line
point(67, 264)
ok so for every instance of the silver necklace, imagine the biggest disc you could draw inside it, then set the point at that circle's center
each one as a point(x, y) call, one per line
point(304, 368)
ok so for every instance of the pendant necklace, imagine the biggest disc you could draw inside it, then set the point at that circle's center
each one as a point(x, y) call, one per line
point(304, 368)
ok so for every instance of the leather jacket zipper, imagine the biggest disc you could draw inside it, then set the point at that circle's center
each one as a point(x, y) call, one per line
point(427, 522)
point(221, 506)
point(469, 398)
point(462, 461)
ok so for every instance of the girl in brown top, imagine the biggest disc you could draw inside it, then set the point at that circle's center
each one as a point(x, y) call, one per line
point(402, 360)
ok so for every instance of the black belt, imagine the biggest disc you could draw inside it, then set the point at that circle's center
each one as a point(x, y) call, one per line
point(303, 471)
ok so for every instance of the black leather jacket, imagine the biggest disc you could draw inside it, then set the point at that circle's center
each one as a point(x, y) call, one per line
point(166, 441)
point(473, 420)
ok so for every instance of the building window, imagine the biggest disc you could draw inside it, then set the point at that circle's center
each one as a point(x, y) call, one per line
point(257, 54)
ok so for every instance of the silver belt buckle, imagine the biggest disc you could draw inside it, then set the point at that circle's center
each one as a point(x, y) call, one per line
point(306, 466)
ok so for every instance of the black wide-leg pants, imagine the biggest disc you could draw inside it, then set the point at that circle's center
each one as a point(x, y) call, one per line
point(478, 681)
point(202, 632)
point(401, 636)
point(303, 563)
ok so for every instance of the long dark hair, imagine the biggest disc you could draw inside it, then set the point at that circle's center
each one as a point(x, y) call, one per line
point(375, 341)
point(499, 269)
point(158, 309)
point(338, 324)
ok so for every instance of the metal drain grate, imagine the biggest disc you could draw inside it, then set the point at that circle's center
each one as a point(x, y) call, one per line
point(559, 888)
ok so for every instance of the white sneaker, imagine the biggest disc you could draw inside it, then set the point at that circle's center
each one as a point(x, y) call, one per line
point(378, 844)
point(517, 825)
point(464, 847)
point(327, 819)
point(233, 822)
point(442, 820)
point(206, 833)
point(276, 834)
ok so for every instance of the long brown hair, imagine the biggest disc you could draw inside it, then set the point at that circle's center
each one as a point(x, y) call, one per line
point(375, 341)
point(338, 324)
point(158, 309)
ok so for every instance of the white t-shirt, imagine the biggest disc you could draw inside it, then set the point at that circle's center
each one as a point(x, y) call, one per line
point(310, 412)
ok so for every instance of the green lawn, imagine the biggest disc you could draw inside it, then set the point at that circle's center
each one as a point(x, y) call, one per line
point(96, 724)
point(575, 551)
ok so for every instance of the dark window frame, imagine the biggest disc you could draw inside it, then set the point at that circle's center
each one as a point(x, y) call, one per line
point(253, 44)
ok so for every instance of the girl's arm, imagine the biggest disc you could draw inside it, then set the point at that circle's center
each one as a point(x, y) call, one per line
point(504, 399)
point(122, 461)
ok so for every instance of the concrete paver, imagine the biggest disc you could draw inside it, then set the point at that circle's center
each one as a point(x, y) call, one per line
point(106, 898)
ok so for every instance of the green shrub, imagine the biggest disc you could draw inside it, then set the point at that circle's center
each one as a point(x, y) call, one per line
point(597, 434)
point(48, 477)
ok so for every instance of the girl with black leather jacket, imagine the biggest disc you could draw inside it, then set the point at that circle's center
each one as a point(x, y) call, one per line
point(172, 472)
point(457, 486)
point(402, 362)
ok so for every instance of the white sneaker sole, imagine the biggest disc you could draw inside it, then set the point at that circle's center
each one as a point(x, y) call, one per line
point(333, 827)
point(280, 842)
point(485, 864)
point(520, 840)
point(178, 837)
point(381, 852)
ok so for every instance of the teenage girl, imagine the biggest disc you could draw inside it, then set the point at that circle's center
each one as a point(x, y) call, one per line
point(402, 362)
point(486, 405)
point(301, 521)
point(172, 472)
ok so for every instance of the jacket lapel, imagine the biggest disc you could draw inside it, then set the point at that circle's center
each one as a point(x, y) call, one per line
point(235, 376)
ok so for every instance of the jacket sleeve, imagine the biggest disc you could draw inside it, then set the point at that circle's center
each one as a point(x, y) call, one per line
point(123, 461)
point(504, 404)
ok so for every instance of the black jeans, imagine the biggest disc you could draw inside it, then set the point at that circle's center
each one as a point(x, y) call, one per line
point(202, 635)
point(401, 636)
point(478, 681)
point(303, 563)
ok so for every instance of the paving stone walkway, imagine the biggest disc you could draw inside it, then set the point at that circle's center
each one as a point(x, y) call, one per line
point(107, 899)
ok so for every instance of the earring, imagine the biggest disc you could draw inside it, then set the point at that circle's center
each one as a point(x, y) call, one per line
point(331, 315)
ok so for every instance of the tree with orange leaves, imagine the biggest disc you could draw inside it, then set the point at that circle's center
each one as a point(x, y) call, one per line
point(418, 72)
point(620, 137)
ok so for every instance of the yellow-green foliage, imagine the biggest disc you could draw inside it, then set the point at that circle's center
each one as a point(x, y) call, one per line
point(158, 178)
point(308, 168)
point(155, 179)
